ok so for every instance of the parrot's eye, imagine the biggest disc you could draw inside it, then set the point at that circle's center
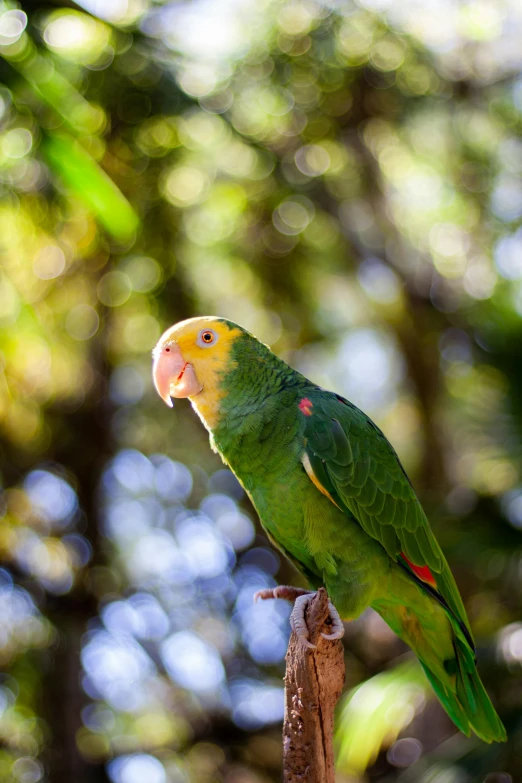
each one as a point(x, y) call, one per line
point(206, 337)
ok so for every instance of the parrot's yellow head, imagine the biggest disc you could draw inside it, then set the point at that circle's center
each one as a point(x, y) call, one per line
point(189, 360)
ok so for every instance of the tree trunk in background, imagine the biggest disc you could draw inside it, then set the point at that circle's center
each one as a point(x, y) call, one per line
point(64, 701)
point(84, 447)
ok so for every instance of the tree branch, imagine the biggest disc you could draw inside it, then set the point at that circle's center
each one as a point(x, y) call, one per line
point(314, 682)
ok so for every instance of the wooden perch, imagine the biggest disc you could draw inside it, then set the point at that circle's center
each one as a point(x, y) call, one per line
point(313, 684)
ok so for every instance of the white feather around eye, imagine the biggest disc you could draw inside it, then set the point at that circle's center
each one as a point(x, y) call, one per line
point(206, 338)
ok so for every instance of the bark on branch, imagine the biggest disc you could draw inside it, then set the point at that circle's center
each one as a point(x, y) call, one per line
point(313, 684)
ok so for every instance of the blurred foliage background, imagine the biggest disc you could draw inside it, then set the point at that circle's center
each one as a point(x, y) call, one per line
point(342, 177)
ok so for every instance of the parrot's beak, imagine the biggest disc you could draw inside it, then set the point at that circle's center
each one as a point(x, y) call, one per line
point(173, 376)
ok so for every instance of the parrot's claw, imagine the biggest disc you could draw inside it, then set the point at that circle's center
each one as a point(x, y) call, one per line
point(337, 624)
point(286, 592)
point(298, 622)
point(301, 597)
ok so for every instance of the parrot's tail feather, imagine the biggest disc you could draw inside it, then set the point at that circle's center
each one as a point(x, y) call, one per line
point(445, 649)
point(468, 705)
point(447, 698)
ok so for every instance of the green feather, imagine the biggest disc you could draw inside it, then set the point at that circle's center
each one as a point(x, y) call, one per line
point(387, 515)
point(367, 494)
point(377, 507)
point(362, 469)
point(343, 454)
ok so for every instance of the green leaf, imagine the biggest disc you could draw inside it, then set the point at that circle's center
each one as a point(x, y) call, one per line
point(373, 714)
point(83, 175)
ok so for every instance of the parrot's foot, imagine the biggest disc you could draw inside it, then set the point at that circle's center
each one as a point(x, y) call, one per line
point(298, 622)
point(301, 598)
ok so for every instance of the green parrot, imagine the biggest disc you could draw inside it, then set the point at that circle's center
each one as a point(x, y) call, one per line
point(333, 496)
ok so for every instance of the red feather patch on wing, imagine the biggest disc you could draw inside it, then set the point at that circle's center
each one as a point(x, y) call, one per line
point(305, 406)
point(423, 572)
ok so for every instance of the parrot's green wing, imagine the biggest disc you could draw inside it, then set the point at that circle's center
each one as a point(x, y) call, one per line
point(353, 462)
